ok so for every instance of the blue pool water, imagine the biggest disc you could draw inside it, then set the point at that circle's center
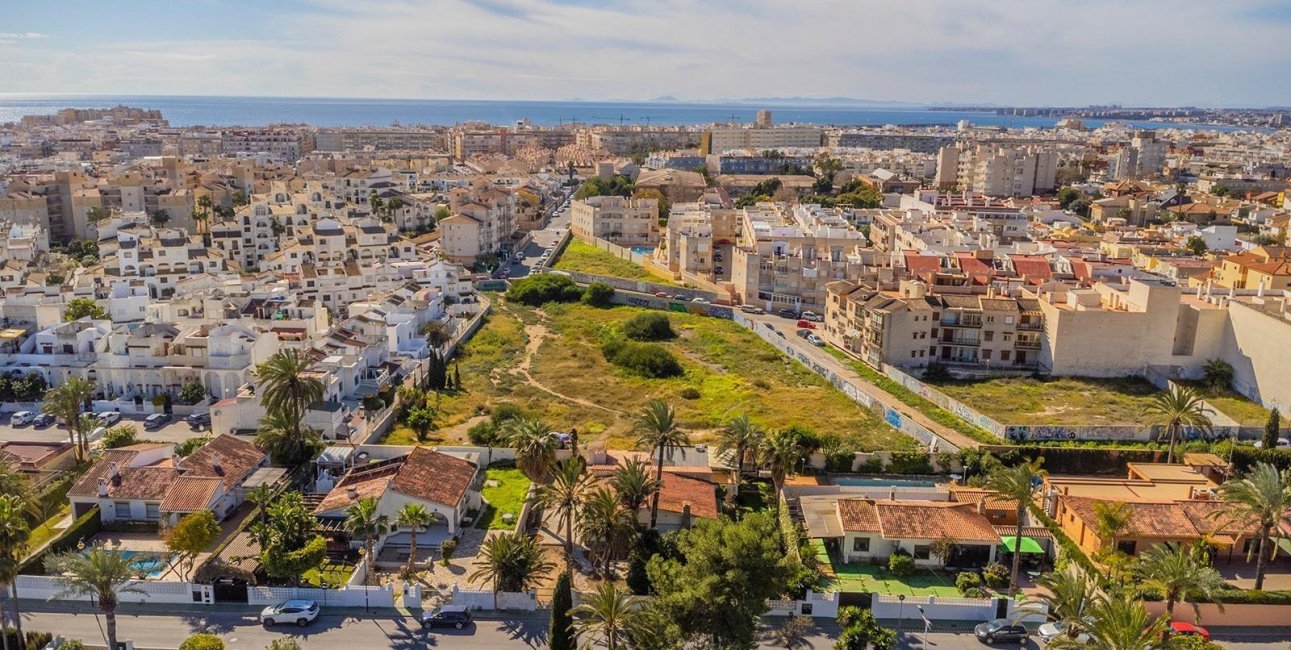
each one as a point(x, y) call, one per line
point(643, 250)
point(855, 481)
point(151, 565)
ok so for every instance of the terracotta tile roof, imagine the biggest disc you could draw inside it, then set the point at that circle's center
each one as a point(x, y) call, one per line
point(237, 459)
point(422, 474)
point(679, 491)
point(131, 483)
point(32, 455)
point(933, 520)
point(190, 494)
point(971, 495)
point(1158, 519)
point(858, 515)
point(915, 262)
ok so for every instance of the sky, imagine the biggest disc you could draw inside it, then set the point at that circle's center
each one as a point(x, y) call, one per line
point(1010, 52)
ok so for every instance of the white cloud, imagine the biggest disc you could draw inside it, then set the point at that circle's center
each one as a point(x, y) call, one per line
point(21, 36)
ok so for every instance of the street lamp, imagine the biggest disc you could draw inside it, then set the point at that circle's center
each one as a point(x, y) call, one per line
point(900, 613)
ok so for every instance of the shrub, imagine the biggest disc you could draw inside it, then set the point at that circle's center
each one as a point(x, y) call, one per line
point(538, 290)
point(446, 550)
point(504, 412)
point(598, 294)
point(560, 632)
point(873, 465)
point(968, 580)
point(283, 644)
point(119, 436)
point(900, 564)
point(187, 447)
point(839, 461)
point(644, 359)
point(72, 644)
point(761, 383)
point(976, 592)
point(910, 462)
point(996, 575)
point(689, 392)
point(202, 642)
point(192, 392)
point(483, 434)
point(649, 326)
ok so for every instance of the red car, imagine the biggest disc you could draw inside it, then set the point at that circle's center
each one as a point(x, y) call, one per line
point(1180, 627)
point(806, 324)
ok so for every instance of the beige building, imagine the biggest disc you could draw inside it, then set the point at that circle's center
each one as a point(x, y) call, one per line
point(786, 255)
point(996, 170)
point(696, 238)
point(717, 140)
point(624, 221)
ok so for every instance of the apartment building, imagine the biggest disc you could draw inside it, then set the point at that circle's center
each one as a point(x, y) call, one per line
point(1263, 267)
point(996, 170)
point(624, 221)
point(917, 142)
point(160, 358)
point(624, 141)
point(698, 240)
point(1143, 157)
point(282, 145)
point(720, 139)
point(159, 257)
point(786, 255)
point(484, 222)
point(381, 139)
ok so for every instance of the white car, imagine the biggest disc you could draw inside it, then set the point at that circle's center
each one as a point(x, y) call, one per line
point(812, 316)
point(108, 418)
point(21, 418)
point(1052, 630)
point(300, 612)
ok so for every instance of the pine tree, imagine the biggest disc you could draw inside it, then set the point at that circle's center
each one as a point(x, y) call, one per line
point(561, 634)
point(436, 372)
point(1271, 429)
point(457, 376)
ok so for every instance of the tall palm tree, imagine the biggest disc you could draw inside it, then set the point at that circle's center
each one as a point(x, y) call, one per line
point(13, 481)
point(780, 451)
point(564, 495)
point(363, 519)
point(740, 436)
point(285, 387)
point(534, 446)
point(658, 431)
point(1111, 518)
point(1068, 597)
point(288, 443)
point(1119, 623)
point(414, 516)
point(606, 526)
point(1180, 573)
point(1018, 483)
point(1179, 407)
point(14, 533)
point(511, 562)
point(65, 402)
point(100, 574)
point(1262, 497)
point(608, 615)
point(633, 485)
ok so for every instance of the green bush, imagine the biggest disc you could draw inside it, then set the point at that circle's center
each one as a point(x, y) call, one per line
point(996, 575)
point(689, 392)
point(538, 290)
point(283, 644)
point(975, 592)
point(446, 550)
point(483, 434)
point(840, 461)
point(72, 644)
point(872, 466)
point(900, 564)
point(202, 642)
point(645, 359)
point(187, 447)
point(649, 326)
point(967, 580)
point(122, 435)
point(910, 462)
point(598, 294)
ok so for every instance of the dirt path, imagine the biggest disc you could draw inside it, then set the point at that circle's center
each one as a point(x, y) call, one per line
point(534, 337)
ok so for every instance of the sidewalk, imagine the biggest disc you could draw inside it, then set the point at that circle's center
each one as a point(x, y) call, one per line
point(137, 609)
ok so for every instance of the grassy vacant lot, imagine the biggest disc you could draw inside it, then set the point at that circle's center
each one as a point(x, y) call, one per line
point(507, 497)
point(570, 384)
point(1065, 400)
point(1235, 405)
point(581, 257)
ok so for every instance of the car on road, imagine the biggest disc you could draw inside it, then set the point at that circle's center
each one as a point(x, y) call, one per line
point(1182, 628)
point(787, 313)
point(701, 300)
point(806, 324)
point(107, 418)
point(815, 340)
point(300, 612)
point(21, 418)
point(198, 420)
point(454, 616)
point(812, 316)
point(156, 421)
point(803, 333)
point(1000, 630)
point(660, 294)
point(750, 309)
point(1055, 629)
point(43, 420)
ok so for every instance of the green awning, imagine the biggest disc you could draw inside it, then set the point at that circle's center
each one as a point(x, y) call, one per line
point(1029, 545)
point(1285, 543)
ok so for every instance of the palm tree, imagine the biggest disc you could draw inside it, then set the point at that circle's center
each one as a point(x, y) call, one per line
point(606, 526)
point(780, 451)
point(1218, 373)
point(285, 387)
point(1017, 483)
point(739, 436)
point(633, 485)
point(100, 574)
point(1179, 407)
point(13, 481)
point(286, 443)
point(1180, 573)
point(364, 520)
point(1119, 623)
point(14, 533)
point(564, 495)
point(534, 446)
point(203, 211)
point(608, 615)
point(1261, 497)
point(1068, 597)
point(414, 516)
point(1111, 518)
point(511, 562)
point(658, 430)
point(65, 402)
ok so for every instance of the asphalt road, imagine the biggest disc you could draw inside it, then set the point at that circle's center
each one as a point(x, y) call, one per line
point(241, 630)
point(540, 241)
point(174, 431)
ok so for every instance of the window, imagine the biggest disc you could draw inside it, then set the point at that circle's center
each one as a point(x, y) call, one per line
point(861, 545)
point(922, 551)
point(912, 354)
point(1008, 320)
point(988, 335)
point(152, 511)
point(121, 509)
point(990, 319)
point(986, 355)
point(1005, 354)
point(1126, 547)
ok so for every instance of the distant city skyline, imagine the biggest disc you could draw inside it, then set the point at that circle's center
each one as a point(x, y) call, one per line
point(1001, 52)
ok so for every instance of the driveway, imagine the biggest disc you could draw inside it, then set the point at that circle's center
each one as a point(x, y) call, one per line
point(175, 431)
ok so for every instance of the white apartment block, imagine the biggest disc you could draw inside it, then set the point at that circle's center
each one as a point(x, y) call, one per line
point(996, 170)
point(785, 256)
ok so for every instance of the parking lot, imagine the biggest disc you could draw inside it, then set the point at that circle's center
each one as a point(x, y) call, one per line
point(174, 431)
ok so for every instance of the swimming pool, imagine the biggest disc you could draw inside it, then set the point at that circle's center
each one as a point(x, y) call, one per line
point(643, 250)
point(867, 481)
point(150, 564)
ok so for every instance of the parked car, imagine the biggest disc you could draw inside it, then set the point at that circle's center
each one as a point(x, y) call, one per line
point(108, 418)
point(300, 612)
point(97, 433)
point(198, 420)
point(21, 418)
point(815, 340)
point(1050, 631)
point(701, 300)
point(806, 324)
point(787, 313)
point(156, 420)
point(43, 420)
point(1000, 630)
point(660, 294)
point(750, 309)
point(455, 616)
point(1186, 629)
point(803, 333)
point(813, 316)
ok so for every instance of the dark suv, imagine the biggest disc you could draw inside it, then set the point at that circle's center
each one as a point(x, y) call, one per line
point(455, 616)
point(1000, 630)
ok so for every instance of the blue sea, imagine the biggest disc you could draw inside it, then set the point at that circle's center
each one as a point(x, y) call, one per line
point(184, 111)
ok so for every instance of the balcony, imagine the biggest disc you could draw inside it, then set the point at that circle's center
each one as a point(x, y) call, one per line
point(1026, 344)
point(966, 322)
